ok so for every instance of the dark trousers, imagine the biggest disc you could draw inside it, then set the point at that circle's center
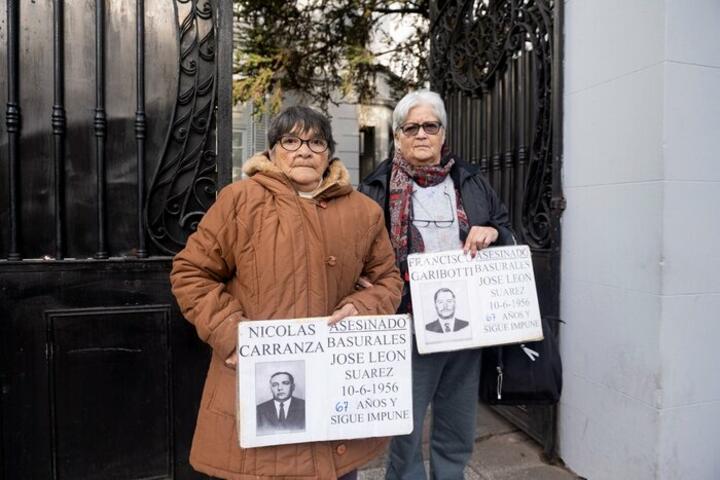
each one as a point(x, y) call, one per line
point(449, 382)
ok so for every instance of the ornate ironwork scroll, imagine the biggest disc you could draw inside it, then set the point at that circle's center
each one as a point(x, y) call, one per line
point(184, 184)
point(501, 52)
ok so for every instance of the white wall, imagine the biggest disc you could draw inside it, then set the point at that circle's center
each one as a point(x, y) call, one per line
point(347, 135)
point(690, 410)
point(641, 399)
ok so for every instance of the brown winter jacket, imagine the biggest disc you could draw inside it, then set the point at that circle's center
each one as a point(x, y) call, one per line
point(263, 252)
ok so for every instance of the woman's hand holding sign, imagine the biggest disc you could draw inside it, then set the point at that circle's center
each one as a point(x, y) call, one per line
point(479, 238)
point(347, 310)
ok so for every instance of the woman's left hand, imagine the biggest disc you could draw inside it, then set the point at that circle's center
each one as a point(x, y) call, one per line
point(479, 238)
point(231, 361)
point(347, 310)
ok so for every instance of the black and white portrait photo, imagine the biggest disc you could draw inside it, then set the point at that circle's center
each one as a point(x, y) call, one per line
point(446, 324)
point(280, 403)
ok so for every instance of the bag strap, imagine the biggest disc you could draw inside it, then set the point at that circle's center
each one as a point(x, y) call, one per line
point(499, 368)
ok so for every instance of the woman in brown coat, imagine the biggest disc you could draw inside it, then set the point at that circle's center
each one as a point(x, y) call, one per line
point(290, 241)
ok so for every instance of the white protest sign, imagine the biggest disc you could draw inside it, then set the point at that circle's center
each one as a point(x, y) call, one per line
point(462, 302)
point(304, 381)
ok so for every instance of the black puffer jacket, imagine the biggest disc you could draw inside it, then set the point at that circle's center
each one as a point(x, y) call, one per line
point(481, 203)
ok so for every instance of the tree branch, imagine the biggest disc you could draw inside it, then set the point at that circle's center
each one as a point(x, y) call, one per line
point(387, 11)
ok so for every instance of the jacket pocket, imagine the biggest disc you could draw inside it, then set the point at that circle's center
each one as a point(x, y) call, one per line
point(222, 398)
point(295, 460)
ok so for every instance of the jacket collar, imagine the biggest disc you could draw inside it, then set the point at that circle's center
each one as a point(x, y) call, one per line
point(335, 183)
point(462, 170)
point(380, 175)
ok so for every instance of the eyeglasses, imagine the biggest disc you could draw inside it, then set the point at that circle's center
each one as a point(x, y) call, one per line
point(438, 223)
point(412, 129)
point(292, 143)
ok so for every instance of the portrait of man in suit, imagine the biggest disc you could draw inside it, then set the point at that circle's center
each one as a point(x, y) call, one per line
point(284, 412)
point(447, 322)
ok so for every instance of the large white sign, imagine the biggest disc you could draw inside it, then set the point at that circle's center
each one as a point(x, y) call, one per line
point(305, 381)
point(462, 302)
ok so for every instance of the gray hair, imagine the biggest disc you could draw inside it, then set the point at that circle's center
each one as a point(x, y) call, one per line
point(301, 119)
point(414, 99)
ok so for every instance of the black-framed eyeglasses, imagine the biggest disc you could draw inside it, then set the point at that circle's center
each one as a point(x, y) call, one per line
point(438, 223)
point(292, 143)
point(412, 129)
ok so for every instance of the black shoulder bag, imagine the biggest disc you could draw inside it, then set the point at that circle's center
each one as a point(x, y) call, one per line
point(528, 373)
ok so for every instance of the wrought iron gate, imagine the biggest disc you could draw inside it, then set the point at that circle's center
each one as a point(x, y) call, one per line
point(498, 65)
point(107, 161)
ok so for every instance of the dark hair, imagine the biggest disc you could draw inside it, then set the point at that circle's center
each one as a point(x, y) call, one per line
point(292, 379)
point(301, 118)
point(444, 290)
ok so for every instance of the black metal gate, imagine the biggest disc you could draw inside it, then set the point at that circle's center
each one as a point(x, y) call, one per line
point(107, 161)
point(498, 66)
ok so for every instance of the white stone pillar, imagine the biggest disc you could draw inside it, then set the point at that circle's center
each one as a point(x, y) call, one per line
point(640, 257)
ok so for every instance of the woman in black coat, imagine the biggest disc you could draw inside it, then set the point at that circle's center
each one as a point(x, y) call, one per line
point(435, 202)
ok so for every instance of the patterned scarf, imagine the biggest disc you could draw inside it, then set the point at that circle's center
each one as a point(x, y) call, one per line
point(405, 238)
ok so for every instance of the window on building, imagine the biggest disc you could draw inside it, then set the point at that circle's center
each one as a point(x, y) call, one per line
point(367, 151)
point(239, 147)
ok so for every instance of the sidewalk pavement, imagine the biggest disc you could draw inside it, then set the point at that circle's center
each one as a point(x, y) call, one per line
point(502, 452)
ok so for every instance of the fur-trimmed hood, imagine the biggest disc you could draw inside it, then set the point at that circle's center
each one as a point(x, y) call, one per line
point(336, 180)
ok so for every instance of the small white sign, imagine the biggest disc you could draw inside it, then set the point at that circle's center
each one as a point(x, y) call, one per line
point(462, 302)
point(304, 381)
